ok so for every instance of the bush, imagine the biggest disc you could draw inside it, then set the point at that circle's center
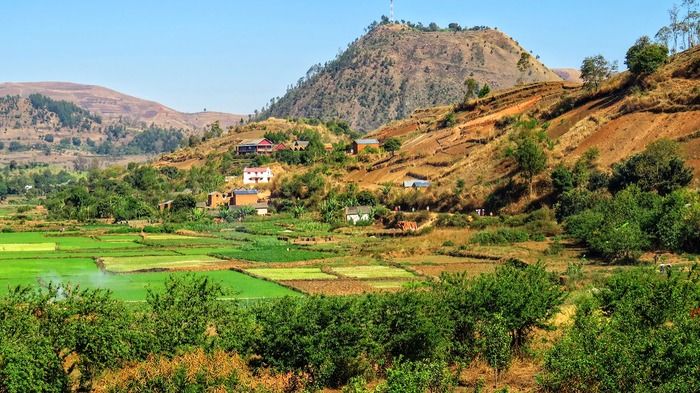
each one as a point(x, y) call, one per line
point(500, 236)
point(152, 229)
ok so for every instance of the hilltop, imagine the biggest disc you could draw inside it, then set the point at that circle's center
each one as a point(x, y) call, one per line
point(394, 69)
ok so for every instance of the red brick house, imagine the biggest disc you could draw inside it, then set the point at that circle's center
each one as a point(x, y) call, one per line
point(255, 146)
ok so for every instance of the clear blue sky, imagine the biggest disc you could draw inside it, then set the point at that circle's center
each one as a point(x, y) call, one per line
point(234, 55)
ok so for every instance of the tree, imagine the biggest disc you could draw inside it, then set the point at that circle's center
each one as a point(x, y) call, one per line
point(392, 145)
point(595, 69)
point(484, 91)
point(472, 89)
point(530, 157)
point(659, 167)
point(644, 57)
point(181, 312)
point(495, 344)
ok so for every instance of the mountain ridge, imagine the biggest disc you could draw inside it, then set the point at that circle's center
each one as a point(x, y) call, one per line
point(112, 105)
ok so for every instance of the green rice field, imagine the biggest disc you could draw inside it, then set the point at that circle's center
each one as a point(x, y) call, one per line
point(36, 258)
point(119, 264)
point(297, 273)
point(370, 272)
point(272, 253)
point(21, 247)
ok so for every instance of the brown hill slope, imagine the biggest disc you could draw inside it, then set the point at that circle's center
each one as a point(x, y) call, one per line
point(621, 119)
point(112, 105)
point(395, 69)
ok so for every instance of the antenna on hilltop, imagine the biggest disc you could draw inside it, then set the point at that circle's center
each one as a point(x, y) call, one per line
point(391, 19)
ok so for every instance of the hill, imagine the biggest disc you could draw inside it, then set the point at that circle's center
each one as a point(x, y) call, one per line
point(395, 69)
point(113, 105)
point(620, 119)
point(466, 145)
point(56, 122)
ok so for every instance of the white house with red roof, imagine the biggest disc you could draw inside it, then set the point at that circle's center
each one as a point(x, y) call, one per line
point(257, 175)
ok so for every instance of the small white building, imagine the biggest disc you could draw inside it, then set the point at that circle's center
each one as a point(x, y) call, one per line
point(261, 208)
point(353, 214)
point(257, 175)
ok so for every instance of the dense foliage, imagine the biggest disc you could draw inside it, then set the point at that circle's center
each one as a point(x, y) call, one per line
point(329, 339)
point(634, 334)
point(69, 114)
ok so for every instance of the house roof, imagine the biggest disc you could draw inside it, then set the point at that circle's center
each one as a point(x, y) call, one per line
point(201, 205)
point(301, 143)
point(249, 170)
point(214, 193)
point(351, 210)
point(255, 142)
point(245, 192)
point(416, 183)
point(366, 141)
point(261, 205)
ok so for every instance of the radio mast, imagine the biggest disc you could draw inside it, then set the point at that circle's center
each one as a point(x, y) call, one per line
point(391, 18)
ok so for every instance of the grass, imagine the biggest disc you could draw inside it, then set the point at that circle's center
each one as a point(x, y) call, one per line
point(119, 238)
point(183, 241)
point(386, 284)
point(370, 272)
point(272, 253)
point(21, 247)
point(297, 273)
point(133, 287)
point(30, 271)
point(203, 250)
point(135, 263)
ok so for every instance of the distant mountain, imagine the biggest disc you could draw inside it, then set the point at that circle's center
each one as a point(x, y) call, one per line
point(113, 105)
point(395, 69)
point(64, 123)
point(569, 74)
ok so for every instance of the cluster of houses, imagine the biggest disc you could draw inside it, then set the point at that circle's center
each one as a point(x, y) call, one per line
point(264, 146)
point(237, 198)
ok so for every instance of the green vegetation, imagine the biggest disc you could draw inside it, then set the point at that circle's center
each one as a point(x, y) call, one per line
point(624, 339)
point(69, 114)
point(297, 273)
point(644, 57)
point(595, 69)
point(370, 272)
point(130, 264)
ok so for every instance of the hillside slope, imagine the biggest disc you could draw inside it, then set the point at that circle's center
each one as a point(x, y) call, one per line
point(621, 119)
point(113, 105)
point(395, 69)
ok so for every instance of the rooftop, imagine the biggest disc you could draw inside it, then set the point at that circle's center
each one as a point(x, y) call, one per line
point(366, 141)
point(245, 192)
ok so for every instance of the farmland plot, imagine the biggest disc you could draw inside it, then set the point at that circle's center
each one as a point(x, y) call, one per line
point(140, 263)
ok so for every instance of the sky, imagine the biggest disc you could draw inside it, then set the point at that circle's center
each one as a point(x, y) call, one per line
point(234, 55)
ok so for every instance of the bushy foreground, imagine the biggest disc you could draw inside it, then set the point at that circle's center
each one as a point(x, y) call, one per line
point(63, 338)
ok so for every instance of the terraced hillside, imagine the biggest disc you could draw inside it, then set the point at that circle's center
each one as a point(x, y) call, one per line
point(395, 69)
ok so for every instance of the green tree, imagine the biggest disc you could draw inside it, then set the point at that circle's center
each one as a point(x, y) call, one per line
point(484, 91)
point(659, 167)
point(595, 69)
point(472, 89)
point(392, 145)
point(530, 157)
point(180, 313)
point(495, 343)
point(644, 57)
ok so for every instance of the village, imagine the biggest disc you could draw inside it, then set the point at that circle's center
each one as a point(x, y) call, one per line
point(245, 193)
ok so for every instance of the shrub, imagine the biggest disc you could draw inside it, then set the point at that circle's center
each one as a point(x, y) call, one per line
point(500, 236)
